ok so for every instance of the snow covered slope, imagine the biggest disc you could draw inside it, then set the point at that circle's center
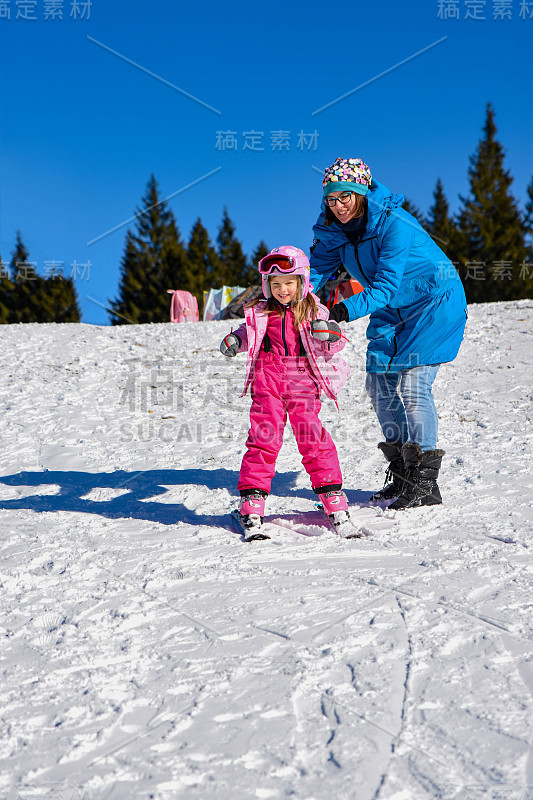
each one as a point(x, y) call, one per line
point(147, 652)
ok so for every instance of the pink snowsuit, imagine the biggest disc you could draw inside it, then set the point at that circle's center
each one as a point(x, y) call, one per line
point(286, 381)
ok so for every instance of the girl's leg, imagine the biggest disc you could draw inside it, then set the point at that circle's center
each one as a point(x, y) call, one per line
point(422, 420)
point(318, 451)
point(265, 437)
point(382, 388)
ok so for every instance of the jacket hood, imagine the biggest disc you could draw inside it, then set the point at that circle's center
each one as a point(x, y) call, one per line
point(381, 201)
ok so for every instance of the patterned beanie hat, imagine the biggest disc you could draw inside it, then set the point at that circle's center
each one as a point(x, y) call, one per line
point(347, 174)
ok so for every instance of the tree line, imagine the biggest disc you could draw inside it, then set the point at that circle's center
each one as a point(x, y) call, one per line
point(26, 296)
point(489, 241)
point(156, 259)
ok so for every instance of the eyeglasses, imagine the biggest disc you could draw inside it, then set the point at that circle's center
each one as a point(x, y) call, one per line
point(343, 198)
point(283, 263)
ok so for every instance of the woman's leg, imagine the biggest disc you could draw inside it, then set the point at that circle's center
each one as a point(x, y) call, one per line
point(406, 410)
point(382, 388)
point(416, 394)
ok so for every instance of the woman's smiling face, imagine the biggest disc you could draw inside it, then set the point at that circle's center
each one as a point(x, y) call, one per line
point(344, 211)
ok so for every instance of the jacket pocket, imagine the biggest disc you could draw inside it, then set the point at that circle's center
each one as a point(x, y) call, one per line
point(334, 372)
point(426, 287)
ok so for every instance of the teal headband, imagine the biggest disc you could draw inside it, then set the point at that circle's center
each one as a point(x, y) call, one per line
point(344, 186)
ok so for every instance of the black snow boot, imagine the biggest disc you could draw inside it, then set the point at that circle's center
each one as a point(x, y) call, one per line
point(395, 472)
point(420, 481)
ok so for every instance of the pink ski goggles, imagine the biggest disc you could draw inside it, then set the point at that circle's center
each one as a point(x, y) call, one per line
point(282, 263)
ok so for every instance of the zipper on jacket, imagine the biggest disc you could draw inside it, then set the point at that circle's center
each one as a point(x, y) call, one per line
point(283, 332)
point(396, 340)
point(356, 248)
point(359, 265)
point(367, 240)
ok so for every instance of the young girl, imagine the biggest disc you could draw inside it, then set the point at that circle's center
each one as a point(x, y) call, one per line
point(292, 356)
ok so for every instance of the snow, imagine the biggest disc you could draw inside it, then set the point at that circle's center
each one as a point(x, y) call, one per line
point(149, 653)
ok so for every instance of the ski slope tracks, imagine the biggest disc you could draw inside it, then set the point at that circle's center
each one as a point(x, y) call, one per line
point(148, 652)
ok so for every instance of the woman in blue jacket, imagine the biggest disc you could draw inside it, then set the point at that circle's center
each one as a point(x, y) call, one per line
point(417, 310)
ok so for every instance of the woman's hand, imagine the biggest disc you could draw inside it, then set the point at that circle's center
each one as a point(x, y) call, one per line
point(339, 313)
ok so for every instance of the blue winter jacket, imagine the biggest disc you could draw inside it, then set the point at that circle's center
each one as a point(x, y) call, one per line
point(412, 292)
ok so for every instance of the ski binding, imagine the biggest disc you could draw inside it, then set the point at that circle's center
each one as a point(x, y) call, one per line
point(252, 529)
point(341, 523)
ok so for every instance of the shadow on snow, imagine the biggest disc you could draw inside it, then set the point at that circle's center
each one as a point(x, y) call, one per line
point(141, 486)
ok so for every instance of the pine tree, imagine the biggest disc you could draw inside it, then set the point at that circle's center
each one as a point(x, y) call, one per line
point(22, 273)
point(27, 296)
point(176, 271)
point(202, 262)
point(234, 268)
point(33, 298)
point(441, 225)
point(153, 262)
point(528, 220)
point(260, 252)
point(59, 301)
point(528, 216)
point(492, 247)
point(7, 288)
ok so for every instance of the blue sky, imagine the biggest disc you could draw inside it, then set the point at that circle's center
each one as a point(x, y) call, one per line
point(83, 128)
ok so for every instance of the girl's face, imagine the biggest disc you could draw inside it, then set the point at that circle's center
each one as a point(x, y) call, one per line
point(285, 288)
point(344, 211)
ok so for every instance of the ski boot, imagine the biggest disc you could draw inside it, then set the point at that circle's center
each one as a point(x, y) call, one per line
point(420, 482)
point(395, 472)
point(335, 506)
point(252, 509)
